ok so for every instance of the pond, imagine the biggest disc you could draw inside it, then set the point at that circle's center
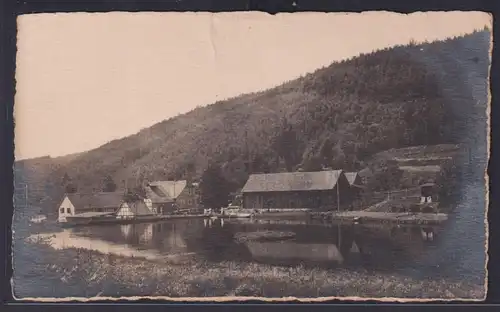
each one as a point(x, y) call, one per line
point(453, 252)
point(406, 249)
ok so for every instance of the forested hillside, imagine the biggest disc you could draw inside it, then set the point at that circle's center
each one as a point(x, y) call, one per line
point(338, 116)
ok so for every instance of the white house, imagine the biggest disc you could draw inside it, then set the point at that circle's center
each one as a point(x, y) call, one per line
point(130, 210)
point(98, 203)
point(66, 208)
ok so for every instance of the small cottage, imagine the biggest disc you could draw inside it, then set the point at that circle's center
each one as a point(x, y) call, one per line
point(136, 209)
point(320, 190)
point(91, 203)
point(427, 192)
point(365, 175)
point(168, 196)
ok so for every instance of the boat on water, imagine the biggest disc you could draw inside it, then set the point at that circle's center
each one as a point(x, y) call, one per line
point(235, 212)
point(239, 215)
point(238, 211)
point(38, 219)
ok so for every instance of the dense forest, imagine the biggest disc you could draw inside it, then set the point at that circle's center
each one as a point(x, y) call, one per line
point(338, 116)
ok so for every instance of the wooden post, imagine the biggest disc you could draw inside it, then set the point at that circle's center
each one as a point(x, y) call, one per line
point(26, 190)
point(338, 198)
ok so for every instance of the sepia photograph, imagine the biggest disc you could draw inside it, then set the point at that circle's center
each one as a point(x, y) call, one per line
point(248, 156)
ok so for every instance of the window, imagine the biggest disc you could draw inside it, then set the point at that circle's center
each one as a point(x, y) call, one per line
point(68, 210)
point(62, 210)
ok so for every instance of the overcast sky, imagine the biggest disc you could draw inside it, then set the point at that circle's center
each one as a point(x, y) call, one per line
point(84, 79)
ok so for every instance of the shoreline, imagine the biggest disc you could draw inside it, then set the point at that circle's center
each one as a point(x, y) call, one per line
point(87, 273)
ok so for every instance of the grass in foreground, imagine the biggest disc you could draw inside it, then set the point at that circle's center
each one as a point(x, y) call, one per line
point(84, 273)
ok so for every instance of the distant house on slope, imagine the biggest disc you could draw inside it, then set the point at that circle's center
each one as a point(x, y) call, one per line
point(167, 196)
point(97, 203)
point(309, 190)
point(129, 210)
point(365, 175)
point(414, 175)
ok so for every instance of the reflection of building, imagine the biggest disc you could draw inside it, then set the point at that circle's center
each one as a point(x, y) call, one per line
point(312, 190)
point(176, 241)
point(126, 230)
point(294, 251)
point(77, 203)
point(147, 234)
point(167, 196)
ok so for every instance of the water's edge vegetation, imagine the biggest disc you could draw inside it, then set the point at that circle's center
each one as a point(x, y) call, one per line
point(88, 273)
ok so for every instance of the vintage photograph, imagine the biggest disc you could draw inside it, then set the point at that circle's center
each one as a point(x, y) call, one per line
point(236, 156)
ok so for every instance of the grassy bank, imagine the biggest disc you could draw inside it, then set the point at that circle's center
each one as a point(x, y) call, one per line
point(84, 273)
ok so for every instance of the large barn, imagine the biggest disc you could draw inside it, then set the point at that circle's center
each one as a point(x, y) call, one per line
point(301, 190)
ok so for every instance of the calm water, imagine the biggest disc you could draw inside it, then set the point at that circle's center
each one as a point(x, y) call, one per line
point(268, 241)
point(407, 250)
point(456, 251)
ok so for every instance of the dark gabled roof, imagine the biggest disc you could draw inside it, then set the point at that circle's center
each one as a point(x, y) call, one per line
point(292, 181)
point(165, 191)
point(139, 208)
point(96, 200)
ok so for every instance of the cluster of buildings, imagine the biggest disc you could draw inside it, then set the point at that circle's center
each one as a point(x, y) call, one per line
point(162, 197)
point(320, 190)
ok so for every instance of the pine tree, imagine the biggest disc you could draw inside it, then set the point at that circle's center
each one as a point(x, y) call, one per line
point(135, 193)
point(286, 145)
point(68, 184)
point(108, 184)
point(214, 188)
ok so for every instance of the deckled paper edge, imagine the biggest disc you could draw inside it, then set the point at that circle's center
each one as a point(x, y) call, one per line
point(242, 299)
point(488, 150)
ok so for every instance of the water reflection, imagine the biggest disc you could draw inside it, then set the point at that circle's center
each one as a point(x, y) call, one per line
point(126, 230)
point(146, 237)
point(275, 241)
point(209, 222)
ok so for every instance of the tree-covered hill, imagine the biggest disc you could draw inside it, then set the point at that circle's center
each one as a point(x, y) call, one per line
point(337, 116)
